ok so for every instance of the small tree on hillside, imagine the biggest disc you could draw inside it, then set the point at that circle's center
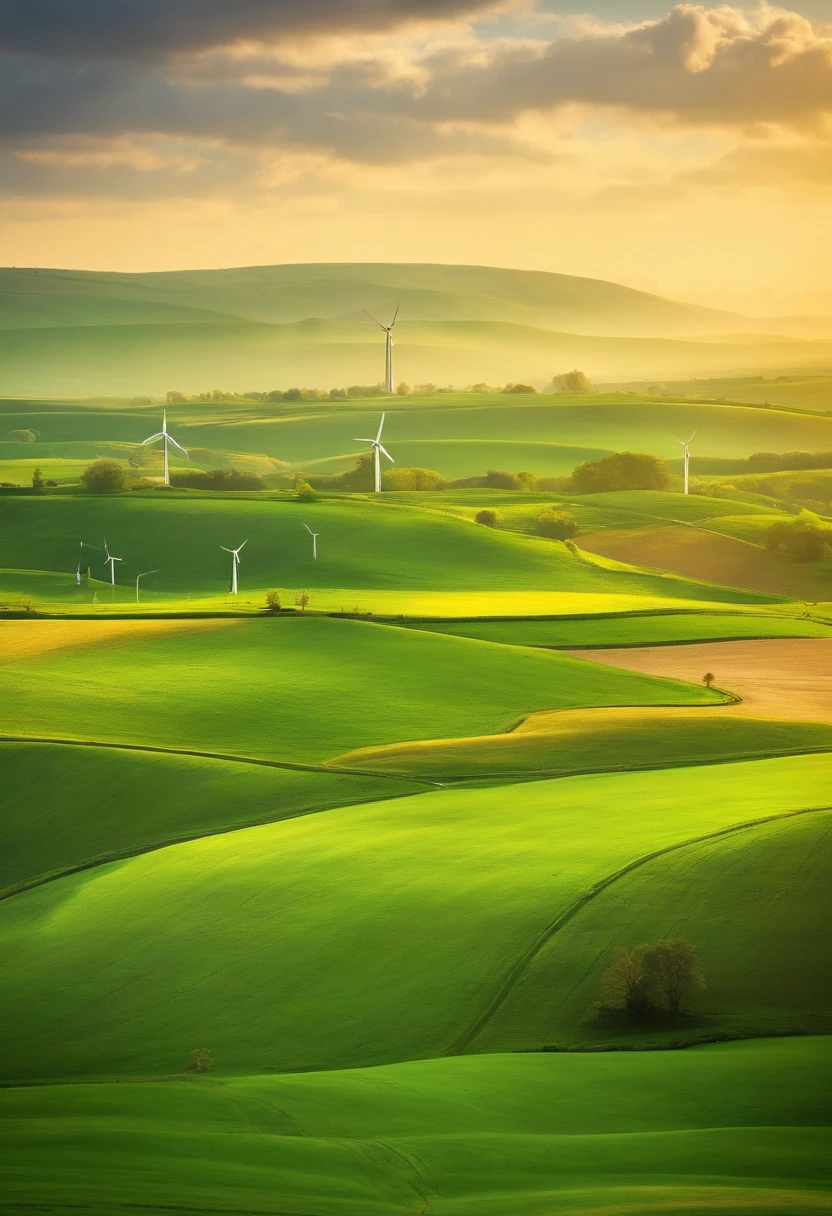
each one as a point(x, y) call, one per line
point(571, 382)
point(104, 477)
point(559, 525)
point(708, 679)
point(200, 1060)
point(37, 480)
point(175, 398)
point(304, 491)
point(626, 984)
point(301, 600)
point(488, 517)
point(673, 969)
point(273, 600)
point(402, 389)
point(621, 471)
point(23, 435)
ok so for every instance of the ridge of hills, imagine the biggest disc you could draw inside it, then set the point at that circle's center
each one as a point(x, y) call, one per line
point(75, 331)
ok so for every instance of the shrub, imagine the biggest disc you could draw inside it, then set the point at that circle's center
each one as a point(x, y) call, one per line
point(621, 471)
point(412, 479)
point(519, 388)
point(402, 389)
point(51, 484)
point(175, 398)
point(559, 525)
point(571, 382)
point(23, 435)
point(301, 600)
point(104, 477)
point(488, 517)
point(499, 479)
point(200, 1060)
point(572, 547)
point(273, 601)
point(37, 480)
point(304, 491)
point(216, 479)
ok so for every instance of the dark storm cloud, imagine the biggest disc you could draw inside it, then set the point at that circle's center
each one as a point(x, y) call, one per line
point(157, 28)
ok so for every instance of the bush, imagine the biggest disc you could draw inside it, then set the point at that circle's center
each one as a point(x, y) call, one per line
point(23, 435)
point(175, 398)
point(519, 388)
point(571, 382)
point(273, 601)
point(104, 477)
point(499, 479)
point(37, 480)
point(216, 479)
point(621, 471)
point(412, 479)
point(402, 389)
point(365, 390)
point(559, 525)
point(304, 491)
point(488, 517)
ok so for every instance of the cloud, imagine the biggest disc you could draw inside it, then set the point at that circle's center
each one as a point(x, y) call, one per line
point(135, 29)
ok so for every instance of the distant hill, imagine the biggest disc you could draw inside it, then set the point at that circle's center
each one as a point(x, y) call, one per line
point(67, 331)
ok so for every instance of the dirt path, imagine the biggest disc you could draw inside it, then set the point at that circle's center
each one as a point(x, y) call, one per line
point(781, 678)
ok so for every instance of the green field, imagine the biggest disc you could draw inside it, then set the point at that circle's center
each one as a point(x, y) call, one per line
point(579, 741)
point(649, 629)
point(735, 1127)
point(245, 687)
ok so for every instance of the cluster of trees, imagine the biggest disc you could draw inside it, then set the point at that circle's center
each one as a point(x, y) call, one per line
point(104, 477)
point(571, 382)
point(22, 435)
point(776, 462)
point(216, 479)
point(806, 537)
point(558, 525)
point(568, 382)
point(639, 981)
point(621, 471)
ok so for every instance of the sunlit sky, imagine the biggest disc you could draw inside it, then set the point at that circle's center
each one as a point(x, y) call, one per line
point(684, 149)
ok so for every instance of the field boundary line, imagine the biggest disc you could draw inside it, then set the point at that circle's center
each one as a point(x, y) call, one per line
point(464, 1041)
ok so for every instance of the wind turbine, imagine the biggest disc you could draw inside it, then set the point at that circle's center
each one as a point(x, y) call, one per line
point(163, 434)
point(314, 536)
point(235, 561)
point(112, 561)
point(80, 556)
point(138, 576)
point(377, 448)
point(388, 348)
point(686, 445)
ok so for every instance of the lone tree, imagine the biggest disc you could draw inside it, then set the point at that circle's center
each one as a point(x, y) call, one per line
point(104, 477)
point(571, 382)
point(626, 983)
point(488, 517)
point(301, 600)
point(672, 969)
point(304, 491)
point(37, 480)
point(621, 471)
point(708, 679)
point(200, 1060)
point(273, 601)
point(559, 525)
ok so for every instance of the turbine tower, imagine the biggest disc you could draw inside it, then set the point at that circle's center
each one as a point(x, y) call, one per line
point(112, 562)
point(388, 348)
point(377, 448)
point(80, 559)
point(314, 536)
point(235, 561)
point(163, 435)
point(686, 445)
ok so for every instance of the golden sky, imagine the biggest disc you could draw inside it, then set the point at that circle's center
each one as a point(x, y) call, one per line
point(685, 149)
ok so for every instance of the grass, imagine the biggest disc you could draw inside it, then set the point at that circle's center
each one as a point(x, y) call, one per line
point(581, 740)
point(357, 936)
point(749, 902)
point(731, 1127)
point(277, 688)
point(648, 629)
point(365, 544)
point(63, 807)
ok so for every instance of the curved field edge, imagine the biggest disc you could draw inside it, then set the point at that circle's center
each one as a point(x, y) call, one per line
point(731, 1127)
point(67, 806)
point(750, 902)
point(317, 908)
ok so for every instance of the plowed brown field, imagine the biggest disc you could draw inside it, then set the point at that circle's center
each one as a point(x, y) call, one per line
point(700, 554)
point(781, 678)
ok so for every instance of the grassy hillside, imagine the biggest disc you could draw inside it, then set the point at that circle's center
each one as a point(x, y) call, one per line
point(364, 543)
point(277, 689)
point(63, 807)
point(649, 629)
point(749, 902)
point(734, 1126)
point(795, 392)
point(279, 946)
point(580, 740)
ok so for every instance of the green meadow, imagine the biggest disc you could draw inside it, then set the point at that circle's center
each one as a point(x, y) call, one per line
point(376, 853)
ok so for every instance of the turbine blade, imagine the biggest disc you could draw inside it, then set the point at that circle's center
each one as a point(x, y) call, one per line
point(226, 550)
point(309, 530)
point(395, 314)
point(380, 425)
point(161, 435)
point(372, 318)
point(179, 445)
point(243, 545)
point(386, 453)
point(363, 440)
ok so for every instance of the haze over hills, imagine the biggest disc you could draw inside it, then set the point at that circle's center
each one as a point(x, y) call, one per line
point(74, 332)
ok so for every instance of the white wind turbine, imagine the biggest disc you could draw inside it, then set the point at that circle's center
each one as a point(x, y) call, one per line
point(686, 445)
point(388, 348)
point(377, 448)
point(163, 434)
point(112, 562)
point(314, 536)
point(143, 575)
point(235, 561)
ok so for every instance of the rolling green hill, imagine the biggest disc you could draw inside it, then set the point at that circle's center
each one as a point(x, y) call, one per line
point(277, 688)
point(279, 947)
point(84, 332)
point(735, 1127)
